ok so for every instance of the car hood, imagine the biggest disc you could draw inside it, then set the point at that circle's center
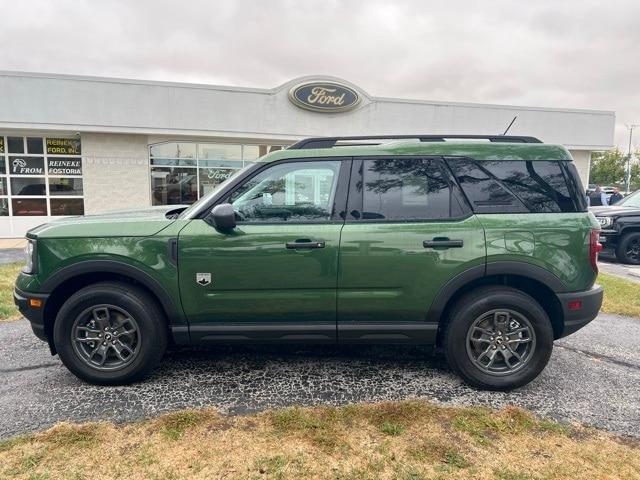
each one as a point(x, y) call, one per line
point(120, 223)
point(615, 211)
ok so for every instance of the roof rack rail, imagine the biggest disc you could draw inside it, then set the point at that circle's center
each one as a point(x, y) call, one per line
point(330, 142)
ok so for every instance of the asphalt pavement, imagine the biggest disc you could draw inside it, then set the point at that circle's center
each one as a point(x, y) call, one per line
point(593, 378)
point(607, 263)
point(11, 255)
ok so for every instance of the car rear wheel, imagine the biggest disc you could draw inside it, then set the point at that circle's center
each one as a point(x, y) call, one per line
point(110, 333)
point(498, 338)
point(628, 249)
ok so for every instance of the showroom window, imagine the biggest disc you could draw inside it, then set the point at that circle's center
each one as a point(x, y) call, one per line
point(40, 176)
point(182, 172)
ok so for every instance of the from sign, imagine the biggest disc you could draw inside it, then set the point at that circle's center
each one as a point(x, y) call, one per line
point(63, 146)
point(26, 165)
point(325, 97)
point(64, 166)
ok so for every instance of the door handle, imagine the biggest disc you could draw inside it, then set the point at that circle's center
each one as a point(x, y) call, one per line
point(442, 243)
point(305, 243)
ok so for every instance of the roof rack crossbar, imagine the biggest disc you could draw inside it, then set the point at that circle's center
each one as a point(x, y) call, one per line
point(330, 142)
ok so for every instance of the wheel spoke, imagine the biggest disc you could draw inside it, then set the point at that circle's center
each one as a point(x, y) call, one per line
point(119, 349)
point(101, 316)
point(124, 346)
point(87, 329)
point(87, 339)
point(492, 358)
point(94, 351)
point(500, 321)
point(480, 340)
point(484, 331)
point(484, 353)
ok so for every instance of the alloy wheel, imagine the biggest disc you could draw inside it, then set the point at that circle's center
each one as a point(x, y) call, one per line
point(105, 337)
point(501, 342)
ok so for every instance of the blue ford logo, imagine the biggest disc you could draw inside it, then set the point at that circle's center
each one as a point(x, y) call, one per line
point(324, 97)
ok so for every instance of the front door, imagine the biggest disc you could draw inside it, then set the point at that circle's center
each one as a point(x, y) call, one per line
point(408, 232)
point(274, 276)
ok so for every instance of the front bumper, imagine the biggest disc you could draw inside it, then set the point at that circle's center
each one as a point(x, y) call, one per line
point(589, 302)
point(608, 238)
point(35, 315)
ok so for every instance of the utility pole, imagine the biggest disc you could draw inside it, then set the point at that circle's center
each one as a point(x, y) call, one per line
point(630, 127)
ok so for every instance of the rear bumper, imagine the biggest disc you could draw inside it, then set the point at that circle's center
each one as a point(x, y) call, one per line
point(575, 318)
point(33, 314)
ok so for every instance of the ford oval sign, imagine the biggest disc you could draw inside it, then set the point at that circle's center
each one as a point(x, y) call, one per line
point(326, 97)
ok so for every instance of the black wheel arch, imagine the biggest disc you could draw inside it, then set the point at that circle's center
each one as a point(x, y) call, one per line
point(64, 282)
point(535, 281)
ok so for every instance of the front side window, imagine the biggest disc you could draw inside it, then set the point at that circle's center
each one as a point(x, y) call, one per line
point(407, 189)
point(288, 192)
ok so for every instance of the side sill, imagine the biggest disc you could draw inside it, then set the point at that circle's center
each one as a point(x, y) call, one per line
point(387, 333)
point(262, 333)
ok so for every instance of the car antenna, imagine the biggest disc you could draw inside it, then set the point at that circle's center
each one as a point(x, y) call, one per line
point(512, 122)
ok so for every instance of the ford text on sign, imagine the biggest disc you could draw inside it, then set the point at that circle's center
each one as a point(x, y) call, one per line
point(324, 97)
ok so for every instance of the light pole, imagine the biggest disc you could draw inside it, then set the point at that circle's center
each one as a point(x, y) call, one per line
point(630, 127)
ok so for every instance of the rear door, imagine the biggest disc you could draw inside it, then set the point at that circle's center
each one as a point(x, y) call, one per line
point(408, 232)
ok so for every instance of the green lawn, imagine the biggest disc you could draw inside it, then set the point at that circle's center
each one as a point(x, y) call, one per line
point(410, 440)
point(620, 296)
point(8, 274)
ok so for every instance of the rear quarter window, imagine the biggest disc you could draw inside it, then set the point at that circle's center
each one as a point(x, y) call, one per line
point(516, 186)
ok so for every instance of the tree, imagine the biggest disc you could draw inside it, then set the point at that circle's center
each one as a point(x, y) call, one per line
point(608, 168)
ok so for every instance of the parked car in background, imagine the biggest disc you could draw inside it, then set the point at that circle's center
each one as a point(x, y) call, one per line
point(620, 225)
point(480, 245)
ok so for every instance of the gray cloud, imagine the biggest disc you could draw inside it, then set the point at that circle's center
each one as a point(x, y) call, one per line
point(576, 53)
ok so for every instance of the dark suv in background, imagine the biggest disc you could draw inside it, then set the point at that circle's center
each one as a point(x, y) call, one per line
point(620, 224)
point(479, 245)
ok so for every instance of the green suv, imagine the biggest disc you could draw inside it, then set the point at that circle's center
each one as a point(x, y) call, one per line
point(479, 245)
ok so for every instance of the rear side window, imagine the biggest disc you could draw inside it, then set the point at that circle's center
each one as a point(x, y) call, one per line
point(514, 186)
point(407, 189)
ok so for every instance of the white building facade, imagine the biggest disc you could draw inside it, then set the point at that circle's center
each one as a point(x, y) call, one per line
point(73, 145)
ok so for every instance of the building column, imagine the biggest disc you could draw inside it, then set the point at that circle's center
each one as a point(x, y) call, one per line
point(116, 172)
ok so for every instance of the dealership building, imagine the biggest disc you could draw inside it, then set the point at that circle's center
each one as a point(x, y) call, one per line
point(72, 145)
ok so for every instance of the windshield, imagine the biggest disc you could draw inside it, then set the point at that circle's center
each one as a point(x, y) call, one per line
point(632, 200)
point(204, 199)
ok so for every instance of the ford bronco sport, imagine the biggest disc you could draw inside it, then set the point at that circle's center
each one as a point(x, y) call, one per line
point(479, 245)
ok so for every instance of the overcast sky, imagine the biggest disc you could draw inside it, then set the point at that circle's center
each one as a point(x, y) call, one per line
point(571, 53)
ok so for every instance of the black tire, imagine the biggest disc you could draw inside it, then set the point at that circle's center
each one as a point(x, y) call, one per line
point(482, 303)
point(628, 249)
point(150, 341)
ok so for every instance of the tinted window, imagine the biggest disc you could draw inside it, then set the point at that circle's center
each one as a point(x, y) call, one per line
point(483, 191)
point(288, 192)
point(406, 189)
point(540, 185)
point(508, 186)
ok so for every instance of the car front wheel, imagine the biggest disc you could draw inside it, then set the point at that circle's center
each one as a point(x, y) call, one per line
point(498, 338)
point(628, 249)
point(110, 333)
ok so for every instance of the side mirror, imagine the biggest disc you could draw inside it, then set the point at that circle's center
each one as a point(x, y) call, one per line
point(223, 217)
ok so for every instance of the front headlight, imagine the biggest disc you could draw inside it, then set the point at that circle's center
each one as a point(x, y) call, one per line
point(605, 222)
point(30, 256)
